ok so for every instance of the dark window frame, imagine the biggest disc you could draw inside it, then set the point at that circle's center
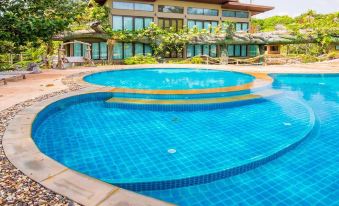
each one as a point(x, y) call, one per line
point(242, 26)
point(170, 20)
point(202, 49)
point(99, 48)
point(133, 3)
point(160, 7)
point(236, 14)
point(204, 11)
point(133, 21)
point(133, 49)
point(203, 23)
point(241, 50)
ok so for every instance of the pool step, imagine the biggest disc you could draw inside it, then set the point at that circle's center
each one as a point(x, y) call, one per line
point(188, 104)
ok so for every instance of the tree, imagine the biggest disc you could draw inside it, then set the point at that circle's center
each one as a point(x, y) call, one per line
point(28, 21)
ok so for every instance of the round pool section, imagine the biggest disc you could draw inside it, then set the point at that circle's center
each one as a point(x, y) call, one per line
point(169, 79)
point(146, 150)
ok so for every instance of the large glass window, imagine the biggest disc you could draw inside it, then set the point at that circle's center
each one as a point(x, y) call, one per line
point(230, 50)
point(190, 51)
point(197, 50)
point(103, 50)
point(213, 50)
point(123, 5)
point(130, 23)
point(241, 26)
point(253, 50)
point(177, 24)
point(237, 50)
point(78, 50)
point(208, 25)
point(171, 9)
point(117, 23)
point(139, 49)
point(128, 50)
point(143, 7)
point(242, 14)
point(201, 11)
point(95, 51)
point(99, 50)
point(125, 50)
point(133, 6)
point(138, 23)
point(237, 14)
point(117, 51)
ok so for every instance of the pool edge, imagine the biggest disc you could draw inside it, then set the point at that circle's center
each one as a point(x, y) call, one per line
point(23, 153)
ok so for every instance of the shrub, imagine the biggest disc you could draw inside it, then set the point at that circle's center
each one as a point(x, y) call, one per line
point(139, 59)
point(333, 55)
point(193, 60)
point(197, 60)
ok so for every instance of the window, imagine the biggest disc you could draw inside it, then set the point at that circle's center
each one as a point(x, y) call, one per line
point(133, 6)
point(99, 50)
point(196, 50)
point(171, 9)
point(274, 48)
point(253, 50)
point(241, 26)
point(143, 7)
point(201, 11)
point(337, 47)
point(242, 14)
point(208, 25)
point(117, 51)
point(125, 50)
point(79, 50)
point(237, 50)
point(130, 23)
point(177, 24)
point(237, 14)
point(123, 5)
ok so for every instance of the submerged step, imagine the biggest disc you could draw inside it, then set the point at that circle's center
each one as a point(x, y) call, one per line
point(188, 104)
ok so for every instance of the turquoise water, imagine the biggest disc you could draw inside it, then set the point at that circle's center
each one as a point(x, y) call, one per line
point(168, 79)
point(144, 150)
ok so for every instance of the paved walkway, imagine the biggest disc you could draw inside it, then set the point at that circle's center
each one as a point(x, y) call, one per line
point(51, 80)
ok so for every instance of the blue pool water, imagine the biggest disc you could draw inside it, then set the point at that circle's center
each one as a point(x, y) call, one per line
point(169, 79)
point(127, 147)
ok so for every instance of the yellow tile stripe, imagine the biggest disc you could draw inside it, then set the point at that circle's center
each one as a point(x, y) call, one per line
point(193, 101)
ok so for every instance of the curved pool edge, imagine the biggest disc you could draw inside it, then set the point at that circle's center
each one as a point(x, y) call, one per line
point(209, 176)
point(260, 80)
point(23, 153)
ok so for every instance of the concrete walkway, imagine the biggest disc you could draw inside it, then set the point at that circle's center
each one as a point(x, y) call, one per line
point(51, 80)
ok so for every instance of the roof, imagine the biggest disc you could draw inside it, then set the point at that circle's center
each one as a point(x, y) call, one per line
point(226, 4)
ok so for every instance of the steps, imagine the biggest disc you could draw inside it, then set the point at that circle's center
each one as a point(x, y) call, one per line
point(190, 104)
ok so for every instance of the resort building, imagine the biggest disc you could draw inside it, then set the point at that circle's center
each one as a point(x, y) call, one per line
point(175, 14)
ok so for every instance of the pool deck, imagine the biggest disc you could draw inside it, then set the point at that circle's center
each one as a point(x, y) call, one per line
point(22, 152)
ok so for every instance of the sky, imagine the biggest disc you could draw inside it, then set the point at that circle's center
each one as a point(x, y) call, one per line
point(296, 7)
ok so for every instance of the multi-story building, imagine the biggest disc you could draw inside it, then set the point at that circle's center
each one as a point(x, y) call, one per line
point(202, 14)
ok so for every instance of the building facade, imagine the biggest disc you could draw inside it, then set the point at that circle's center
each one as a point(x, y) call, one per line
point(176, 14)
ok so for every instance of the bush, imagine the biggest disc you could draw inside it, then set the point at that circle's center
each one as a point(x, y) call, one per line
point(139, 59)
point(333, 55)
point(193, 60)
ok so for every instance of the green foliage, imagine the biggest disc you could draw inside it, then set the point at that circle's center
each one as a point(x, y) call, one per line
point(25, 21)
point(140, 59)
point(193, 60)
point(270, 23)
point(321, 27)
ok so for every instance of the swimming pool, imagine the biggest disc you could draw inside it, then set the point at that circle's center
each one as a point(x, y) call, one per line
point(168, 79)
point(280, 149)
